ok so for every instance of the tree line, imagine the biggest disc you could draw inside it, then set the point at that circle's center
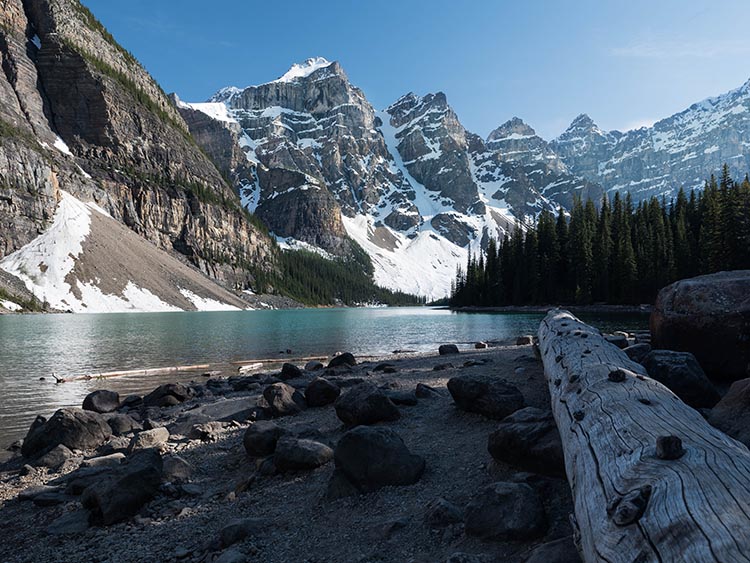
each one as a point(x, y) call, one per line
point(618, 253)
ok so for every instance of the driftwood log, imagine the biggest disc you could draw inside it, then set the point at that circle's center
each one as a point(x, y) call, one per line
point(651, 479)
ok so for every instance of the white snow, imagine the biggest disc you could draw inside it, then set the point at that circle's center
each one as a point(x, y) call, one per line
point(10, 305)
point(214, 110)
point(44, 264)
point(206, 303)
point(303, 70)
point(289, 243)
point(36, 41)
point(62, 147)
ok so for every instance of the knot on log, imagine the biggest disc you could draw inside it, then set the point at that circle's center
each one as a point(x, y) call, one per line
point(628, 509)
point(669, 447)
point(644, 401)
point(617, 376)
point(579, 415)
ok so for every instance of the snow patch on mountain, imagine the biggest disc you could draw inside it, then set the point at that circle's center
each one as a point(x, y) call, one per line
point(205, 303)
point(303, 70)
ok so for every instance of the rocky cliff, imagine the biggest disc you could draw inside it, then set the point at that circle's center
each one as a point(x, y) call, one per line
point(79, 113)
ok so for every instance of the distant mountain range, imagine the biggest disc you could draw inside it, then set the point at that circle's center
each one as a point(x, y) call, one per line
point(321, 166)
point(115, 196)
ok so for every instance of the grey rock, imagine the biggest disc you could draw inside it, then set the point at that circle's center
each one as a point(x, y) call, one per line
point(104, 460)
point(405, 398)
point(619, 340)
point(506, 511)
point(374, 457)
point(681, 373)
point(102, 401)
point(524, 340)
point(562, 550)
point(637, 352)
point(148, 439)
point(69, 523)
point(231, 556)
point(447, 349)
point(55, 457)
point(239, 529)
point(529, 439)
point(732, 414)
point(290, 371)
point(75, 429)
point(313, 365)
point(321, 392)
point(121, 493)
point(365, 404)
point(206, 431)
point(167, 395)
point(345, 359)
point(440, 513)
point(708, 316)
point(123, 424)
point(486, 395)
point(176, 469)
point(261, 438)
point(293, 454)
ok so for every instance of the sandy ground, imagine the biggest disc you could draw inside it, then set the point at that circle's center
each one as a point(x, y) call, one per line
point(386, 526)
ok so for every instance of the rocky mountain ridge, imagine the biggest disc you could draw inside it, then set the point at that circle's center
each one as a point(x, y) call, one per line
point(409, 184)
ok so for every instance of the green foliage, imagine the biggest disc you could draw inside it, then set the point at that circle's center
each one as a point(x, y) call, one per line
point(315, 280)
point(8, 130)
point(95, 25)
point(621, 253)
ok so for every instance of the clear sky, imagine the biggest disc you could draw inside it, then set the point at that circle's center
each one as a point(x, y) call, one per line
point(624, 62)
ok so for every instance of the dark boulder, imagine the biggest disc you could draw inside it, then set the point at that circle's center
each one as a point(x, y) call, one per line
point(506, 511)
point(299, 455)
point(524, 340)
point(447, 349)
point(365, 404)
point(681, 373)
point(373, 457)
point(345, 359)
point(637, 352)
point(708, 316)
point(282, 400)
point(405, 398)
point(121, 493)
point(261, 438)
point(55, 457)
point(314, 365)
point(168, 395)
point(74, 428)
point(290, 371)
point(529, 439)
point(149, 439)
point(732, 414)
point(321, 392)
point(486, 395)
point(440, 514)
point(562, 550)
point(123, 424)
point(102, 401)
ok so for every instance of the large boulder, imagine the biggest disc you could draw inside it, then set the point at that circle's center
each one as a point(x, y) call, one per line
point(282, 399)
point(122, 492)
point(638, 352)
point(732, 414)
point(447, 349)
point(168, 395)
point(345, 359)
point(102, 401)
point(365, 404)
point(149, 439)
point(710, 317)
point(487, 395)
point(321, 392)
point(290, 371)
point(298, 455)
point(123, 424)
point(562, 550)
point(681, 373)
point(75, 429)
point(261, 438)
point(506, 511)
point(529, 439)
point(373, 457)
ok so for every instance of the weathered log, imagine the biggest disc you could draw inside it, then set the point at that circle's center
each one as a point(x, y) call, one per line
point(688, 501)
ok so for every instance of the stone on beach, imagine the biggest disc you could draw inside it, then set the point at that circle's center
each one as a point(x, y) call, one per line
point(74, 428)
point(293, 454)
point(345, 359)
point(261, 438)
point(282, 400)
point(447, 349)
point(365, 404)
point(490, 396)
point(321, 392)
point(168, 395)
point(683, 375)
point(506, 511)
point(102, 401)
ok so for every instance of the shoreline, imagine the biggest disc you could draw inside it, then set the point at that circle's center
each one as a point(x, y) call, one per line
point(585, 309)
point(388, 525)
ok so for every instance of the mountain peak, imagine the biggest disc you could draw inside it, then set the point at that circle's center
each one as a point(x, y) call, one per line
point(514, 128)
point(583, 121)
point(303, 70)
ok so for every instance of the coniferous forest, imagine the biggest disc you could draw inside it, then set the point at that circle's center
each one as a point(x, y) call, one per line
point(617, 253)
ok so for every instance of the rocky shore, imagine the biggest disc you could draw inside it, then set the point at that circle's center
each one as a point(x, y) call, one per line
point(445, 457)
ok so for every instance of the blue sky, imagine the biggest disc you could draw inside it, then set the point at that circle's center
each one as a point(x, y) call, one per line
point(624, 62)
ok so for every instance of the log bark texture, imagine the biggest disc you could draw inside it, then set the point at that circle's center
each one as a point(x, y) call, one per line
point(632, 503)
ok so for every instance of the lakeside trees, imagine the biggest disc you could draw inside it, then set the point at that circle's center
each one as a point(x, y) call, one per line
point(620, 253)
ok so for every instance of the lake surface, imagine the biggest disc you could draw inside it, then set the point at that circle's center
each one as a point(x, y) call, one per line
point(35, 346)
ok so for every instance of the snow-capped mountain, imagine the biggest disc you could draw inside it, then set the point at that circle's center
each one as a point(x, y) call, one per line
point(409, 184)
point(679, 151)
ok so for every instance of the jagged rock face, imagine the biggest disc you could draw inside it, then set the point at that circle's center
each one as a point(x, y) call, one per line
point(79, 113)
point(518, 142)
point(408, 184)
point(679, 151)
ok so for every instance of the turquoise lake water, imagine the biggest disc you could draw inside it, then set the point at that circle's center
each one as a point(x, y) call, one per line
point(34, 346)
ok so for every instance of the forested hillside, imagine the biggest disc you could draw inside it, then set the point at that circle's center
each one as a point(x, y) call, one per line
point(619, 253)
